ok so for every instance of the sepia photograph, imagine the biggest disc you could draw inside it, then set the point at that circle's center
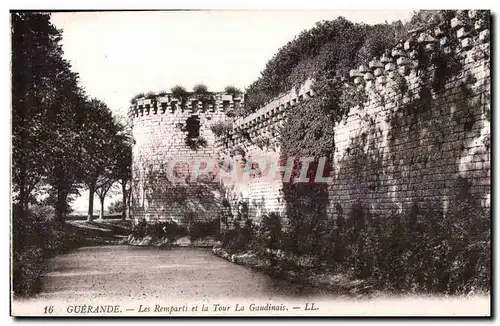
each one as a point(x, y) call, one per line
point(244, 163)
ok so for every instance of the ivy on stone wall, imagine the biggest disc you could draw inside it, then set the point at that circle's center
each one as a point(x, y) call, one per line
point(196, 143)
point(309, 127)
point(222, 129)
point(327, 50)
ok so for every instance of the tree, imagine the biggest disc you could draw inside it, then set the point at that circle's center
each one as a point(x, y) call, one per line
point(64, 156)
point(106, 188)
point(60, 138)
point(123, 166)
point(45, 103)
point(36, 59)
point(98, 148)
point(109, 154)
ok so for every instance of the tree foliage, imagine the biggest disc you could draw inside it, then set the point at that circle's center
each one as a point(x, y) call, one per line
point(123, 165)
point(46, 100)
point(61, 139)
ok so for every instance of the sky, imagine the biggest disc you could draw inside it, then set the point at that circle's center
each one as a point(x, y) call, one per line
point(120, 54)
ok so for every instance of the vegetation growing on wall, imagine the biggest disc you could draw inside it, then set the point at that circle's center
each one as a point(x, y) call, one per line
point(232, 90)
point(196, 143)
point(222, 129)
point(179, 92)
point(200, 89)
point(201, 92)
point(327, 50)
point(134, 99)
point(422, 247)
point(308, 131)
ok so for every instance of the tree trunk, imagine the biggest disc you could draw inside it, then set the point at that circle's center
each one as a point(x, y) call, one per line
point(101, 214)
point(90, 215)
point(124, 199)
point(61, 205)
point(129, 199)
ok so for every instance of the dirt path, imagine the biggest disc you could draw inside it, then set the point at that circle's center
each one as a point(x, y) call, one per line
point(134, 276)
point(138, 272)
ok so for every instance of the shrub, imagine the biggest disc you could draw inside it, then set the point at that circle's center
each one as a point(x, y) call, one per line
point(134, 99)
point(239, 239)
point(200, 89)
point(172, 230)
point(35, 236)
point(225, 215)
point(139, 229)
point(179, 92)
point(270, 231)
point(199, 230)
point(27, 265)
point(421, 250)
point(150, 95)
point(232, 90)
point(196, 143)
point(201, 92)
point(116, 206)
point(169, 229)
point(221, 128)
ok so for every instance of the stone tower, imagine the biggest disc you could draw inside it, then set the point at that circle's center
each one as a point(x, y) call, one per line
point(171, 136)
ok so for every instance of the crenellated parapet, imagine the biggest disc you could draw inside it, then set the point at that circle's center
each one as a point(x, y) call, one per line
point(454, 37)
point(265, 122)
point(277, 105)
point(169, 104)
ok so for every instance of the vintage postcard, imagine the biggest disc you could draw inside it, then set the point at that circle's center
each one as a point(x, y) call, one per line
point(251, 163)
